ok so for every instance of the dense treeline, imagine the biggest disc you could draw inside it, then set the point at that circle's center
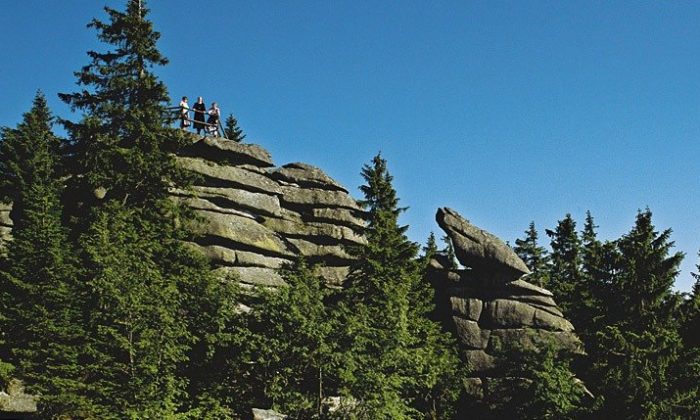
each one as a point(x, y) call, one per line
point(639, 334)
point(104, 313)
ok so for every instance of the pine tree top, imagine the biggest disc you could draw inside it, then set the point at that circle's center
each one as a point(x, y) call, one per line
point(29, 152)
point(121, 145)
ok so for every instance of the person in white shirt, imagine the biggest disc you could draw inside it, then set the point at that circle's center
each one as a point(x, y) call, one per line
point(184, 113)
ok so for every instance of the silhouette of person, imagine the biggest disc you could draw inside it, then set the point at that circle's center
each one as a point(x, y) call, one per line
point(200, 111)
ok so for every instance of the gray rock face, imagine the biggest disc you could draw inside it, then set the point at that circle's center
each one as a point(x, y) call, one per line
point(306, 176)
point(483, 252)
point(15, 400)
point(255, 219)
point(5, 226)
point(490, 303)
point(230, 176)
point(260, 414)
point(220, 150)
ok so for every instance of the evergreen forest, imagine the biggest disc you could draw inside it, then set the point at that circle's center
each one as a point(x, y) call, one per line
point(106, 314)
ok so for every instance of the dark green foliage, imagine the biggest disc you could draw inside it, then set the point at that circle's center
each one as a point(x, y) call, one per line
point(639, 348)
point(146, 312)
point(565, 273)
point(430, 250)
point(122, 144)
point(599, 267)
point(691, 314)
point(232, 130)
point(646, 273)
point(641, 373)
point(537, 383)
point(137, 336)
point(642, 359)
point(535, 257)
point(41, 327)
point(289, 350)
point(398, 363)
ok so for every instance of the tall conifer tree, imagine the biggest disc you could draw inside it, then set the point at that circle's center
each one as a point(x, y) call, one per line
point(637, 362)
point(149, 295)
point(647, 271)
point(566, 262)
point(535, 257)
point(290, 351)
point(399, 361)
point(41, 317)
point(232, 130)
point(121, 144)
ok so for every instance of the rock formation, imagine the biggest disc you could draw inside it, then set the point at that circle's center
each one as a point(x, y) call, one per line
point(490, 302)
point(5, 225)
point(256, 217)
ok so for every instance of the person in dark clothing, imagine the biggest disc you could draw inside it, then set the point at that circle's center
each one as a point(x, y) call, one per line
point(200, 110)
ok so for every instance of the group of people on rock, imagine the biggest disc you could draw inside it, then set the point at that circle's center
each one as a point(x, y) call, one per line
point(200, 111)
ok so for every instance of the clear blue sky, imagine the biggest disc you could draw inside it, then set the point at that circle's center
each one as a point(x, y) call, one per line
point(509, 112)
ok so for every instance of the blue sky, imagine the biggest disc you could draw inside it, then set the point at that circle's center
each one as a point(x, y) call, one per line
point(509, 112)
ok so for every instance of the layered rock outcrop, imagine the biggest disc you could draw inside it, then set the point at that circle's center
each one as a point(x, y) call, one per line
point(489, 303)
point(256, 217)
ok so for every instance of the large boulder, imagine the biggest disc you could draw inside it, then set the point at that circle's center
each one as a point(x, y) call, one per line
point(227, 199)
point(255, 276)
point(261, 414)
point(14, 401)
point(5, 209)
point(489, 305)
point(5, 226)
point(487, 255)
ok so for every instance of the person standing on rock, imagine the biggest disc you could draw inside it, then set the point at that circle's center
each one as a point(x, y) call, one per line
point(200, 110)
point(214, 115)
point(184, 113)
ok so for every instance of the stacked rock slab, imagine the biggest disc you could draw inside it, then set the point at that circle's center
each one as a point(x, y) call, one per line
point(254, 217)
point(489, 303)
point(5, 226)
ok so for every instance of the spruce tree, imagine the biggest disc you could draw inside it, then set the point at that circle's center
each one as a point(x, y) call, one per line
point(289, 350)
point(538, 381)
point(232, 130)
point(535, 257)
point(647, 272)
point(691, 313)
point(597, 262)
point(638, 354)
point(430, 247)
point(566, 263)
point(41, 320)
point(399, 363)
point(430, 250)
point(144, 317)
point(121, 145)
